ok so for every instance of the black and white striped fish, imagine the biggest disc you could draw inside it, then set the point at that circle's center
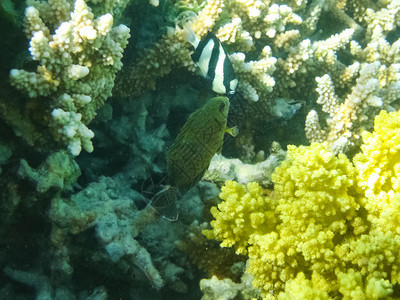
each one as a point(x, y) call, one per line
point(214, 64)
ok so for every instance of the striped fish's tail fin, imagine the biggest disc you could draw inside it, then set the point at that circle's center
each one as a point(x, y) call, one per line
point(190, 36)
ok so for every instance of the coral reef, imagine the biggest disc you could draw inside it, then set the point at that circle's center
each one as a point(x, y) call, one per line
point(330, 227)
point(323, 223)
point(59, 171)
point(348, 119)
point(280, 51)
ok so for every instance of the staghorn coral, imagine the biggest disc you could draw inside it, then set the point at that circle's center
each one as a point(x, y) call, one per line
point(76, 67)
point(254, 76)
point(173, 51)
point(240, 26)
point(335, 227)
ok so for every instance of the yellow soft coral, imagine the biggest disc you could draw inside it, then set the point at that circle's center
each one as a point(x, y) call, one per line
point(378, 168)
point(376, 255)
point(302, 288)
point(314, 188)
point(335, 226)
point(315, 199)
point(315, 210)
point(333, 233)
point(352, 286)
point(245, 211)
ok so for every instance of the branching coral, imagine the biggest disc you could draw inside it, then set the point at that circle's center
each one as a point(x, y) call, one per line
point(349, 118)
point(76, 68)
point(173, 50)
point(377, 86)
point(170, 51)
point(335, 227)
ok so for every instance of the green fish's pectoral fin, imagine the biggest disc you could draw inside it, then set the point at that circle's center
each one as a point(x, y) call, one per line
point(234, 131)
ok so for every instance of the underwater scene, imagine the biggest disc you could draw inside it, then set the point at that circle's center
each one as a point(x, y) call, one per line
point(194, 149)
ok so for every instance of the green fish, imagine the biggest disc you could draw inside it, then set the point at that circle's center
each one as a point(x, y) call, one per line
point(191, 153)
point(197, 142)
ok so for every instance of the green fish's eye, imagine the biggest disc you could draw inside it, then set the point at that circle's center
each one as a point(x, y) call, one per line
point(222, 107)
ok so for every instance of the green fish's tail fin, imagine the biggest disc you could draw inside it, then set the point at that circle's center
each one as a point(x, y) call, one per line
point(160, 196)
point(234, 131)
point(164, 202)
